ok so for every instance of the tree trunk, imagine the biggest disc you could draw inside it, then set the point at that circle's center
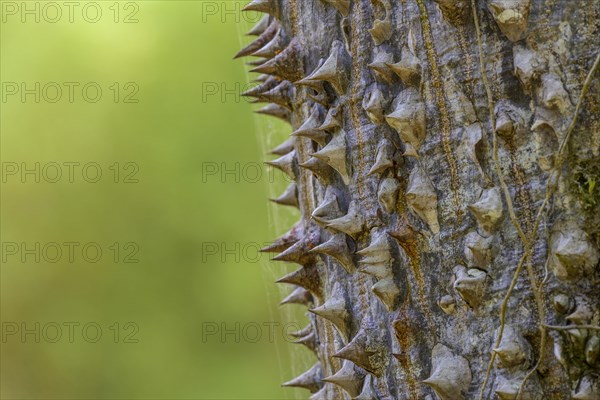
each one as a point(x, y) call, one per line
point(445, 162)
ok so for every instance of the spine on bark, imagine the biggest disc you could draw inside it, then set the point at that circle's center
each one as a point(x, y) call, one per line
point(438, 150)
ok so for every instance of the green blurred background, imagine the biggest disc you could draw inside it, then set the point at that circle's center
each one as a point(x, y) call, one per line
point(176, 215)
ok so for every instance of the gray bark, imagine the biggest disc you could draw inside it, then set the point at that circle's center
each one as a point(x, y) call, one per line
point(445, 162)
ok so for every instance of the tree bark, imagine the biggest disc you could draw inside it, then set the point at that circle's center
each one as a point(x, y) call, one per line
point(445, 162)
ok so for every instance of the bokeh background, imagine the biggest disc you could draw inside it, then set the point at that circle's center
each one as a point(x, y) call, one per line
point(194, 218)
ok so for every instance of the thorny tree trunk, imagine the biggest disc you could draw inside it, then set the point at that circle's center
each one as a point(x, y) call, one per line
point(448, 184)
